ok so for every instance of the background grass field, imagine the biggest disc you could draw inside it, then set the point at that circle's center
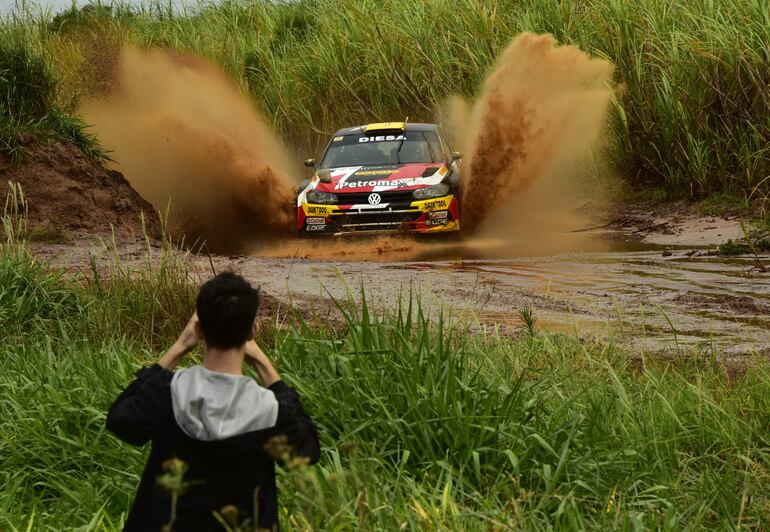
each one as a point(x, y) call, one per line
point(542, 431)
point(692, 114)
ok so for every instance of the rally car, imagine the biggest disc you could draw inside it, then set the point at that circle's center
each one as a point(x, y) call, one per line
point(379, 178)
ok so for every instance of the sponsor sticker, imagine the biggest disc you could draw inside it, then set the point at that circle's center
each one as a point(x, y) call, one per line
point(381, 138)
point(361, 184)
point(437, 204)
point(337, 139)
point(315, 227)
point(315, 221)
point(438, 215)
point(375, 172)
point(317, 210)
point(436, 222)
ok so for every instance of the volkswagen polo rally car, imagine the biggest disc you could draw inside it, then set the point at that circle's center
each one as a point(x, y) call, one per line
point(385, 177)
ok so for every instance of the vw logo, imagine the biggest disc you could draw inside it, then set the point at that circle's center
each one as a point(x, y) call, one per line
point(374, 199)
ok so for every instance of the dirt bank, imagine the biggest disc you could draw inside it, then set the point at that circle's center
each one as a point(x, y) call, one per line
point(675, 223)
point(70, 196)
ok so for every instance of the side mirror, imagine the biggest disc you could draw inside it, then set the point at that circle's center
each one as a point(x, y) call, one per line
point(310, 163)
point(456, 155)
point(324, 176)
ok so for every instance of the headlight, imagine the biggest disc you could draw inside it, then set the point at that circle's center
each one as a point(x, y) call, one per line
point(313, 196)
point(433, 191)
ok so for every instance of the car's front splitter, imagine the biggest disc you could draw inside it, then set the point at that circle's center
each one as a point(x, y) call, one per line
point(435, 215)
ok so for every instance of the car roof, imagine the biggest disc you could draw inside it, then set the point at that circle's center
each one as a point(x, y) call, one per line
point(410, 126)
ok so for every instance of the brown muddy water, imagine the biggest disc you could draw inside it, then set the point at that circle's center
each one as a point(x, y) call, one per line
point(662, 299)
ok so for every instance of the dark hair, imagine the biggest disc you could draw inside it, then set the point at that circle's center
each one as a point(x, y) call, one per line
point(227, 305)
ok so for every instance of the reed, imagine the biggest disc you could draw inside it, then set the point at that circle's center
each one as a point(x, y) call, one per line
point(692, 113)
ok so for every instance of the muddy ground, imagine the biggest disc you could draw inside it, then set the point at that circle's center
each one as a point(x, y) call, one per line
point(69, 196)
point(646, 279)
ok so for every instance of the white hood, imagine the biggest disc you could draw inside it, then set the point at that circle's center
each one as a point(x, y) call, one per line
point(209, 405)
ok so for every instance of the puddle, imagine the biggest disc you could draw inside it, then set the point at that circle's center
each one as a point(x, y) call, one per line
point(633, 292)
point(640, 296)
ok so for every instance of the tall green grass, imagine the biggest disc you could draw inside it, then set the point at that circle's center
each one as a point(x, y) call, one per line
point(424, 423)
point(28, 94)
point(692, 113)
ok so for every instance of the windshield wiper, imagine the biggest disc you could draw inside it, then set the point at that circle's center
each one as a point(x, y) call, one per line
point(398, 151)
point(401, 143)
point(430, 149)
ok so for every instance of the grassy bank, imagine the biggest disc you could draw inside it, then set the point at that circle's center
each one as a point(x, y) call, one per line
point(692, 114)
point(29, 94)
point(424, 424)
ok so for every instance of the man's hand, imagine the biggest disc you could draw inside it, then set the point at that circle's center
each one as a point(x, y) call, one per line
point(254, 354)
point(183, 345)
point(189, 337)
point(257, 359)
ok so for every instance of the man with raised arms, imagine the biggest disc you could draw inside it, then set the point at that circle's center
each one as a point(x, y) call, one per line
point(217, 421)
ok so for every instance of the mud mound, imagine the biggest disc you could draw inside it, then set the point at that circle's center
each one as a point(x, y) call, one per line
point(70, 196)
point(726, 303)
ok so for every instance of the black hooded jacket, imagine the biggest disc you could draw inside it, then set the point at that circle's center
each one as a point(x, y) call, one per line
point(219, 425)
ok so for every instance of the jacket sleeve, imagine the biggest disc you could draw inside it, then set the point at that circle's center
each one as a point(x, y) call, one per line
point(137, 411)
point(294, 422)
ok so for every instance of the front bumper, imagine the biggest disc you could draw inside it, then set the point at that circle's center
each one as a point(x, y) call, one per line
point(437, 215)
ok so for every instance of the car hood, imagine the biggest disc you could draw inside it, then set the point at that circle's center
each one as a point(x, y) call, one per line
point(381, 178)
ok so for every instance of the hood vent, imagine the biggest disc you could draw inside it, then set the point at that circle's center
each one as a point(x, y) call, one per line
point(430, 171)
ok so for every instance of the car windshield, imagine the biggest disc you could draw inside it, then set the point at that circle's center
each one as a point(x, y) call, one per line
point(383, 149)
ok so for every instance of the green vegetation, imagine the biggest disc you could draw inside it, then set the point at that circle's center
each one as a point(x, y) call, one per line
point(28, 91)
point(731, 247)
point(721, 204)
point(424, 423)
point(692, 113)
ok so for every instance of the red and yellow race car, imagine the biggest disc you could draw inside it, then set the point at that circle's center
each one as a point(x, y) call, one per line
point(382, 178)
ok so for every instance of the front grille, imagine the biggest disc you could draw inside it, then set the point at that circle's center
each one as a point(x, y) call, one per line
point(359, 198)
point(374, 220)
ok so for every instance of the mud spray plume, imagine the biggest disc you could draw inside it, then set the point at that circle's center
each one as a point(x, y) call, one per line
point(540, 112)
point(188, 141)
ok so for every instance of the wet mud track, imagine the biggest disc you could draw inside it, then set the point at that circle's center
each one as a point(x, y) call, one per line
point(663, 302)
point(668, 304)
